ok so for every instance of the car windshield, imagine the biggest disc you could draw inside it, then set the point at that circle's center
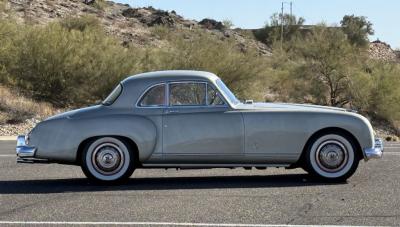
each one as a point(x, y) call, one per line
point(228, 94)
point(113, 96)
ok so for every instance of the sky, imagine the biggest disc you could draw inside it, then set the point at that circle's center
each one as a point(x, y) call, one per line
point(384, 14)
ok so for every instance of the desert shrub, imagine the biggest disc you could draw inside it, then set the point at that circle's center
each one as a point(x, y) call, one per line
point(357, 29)
point(228, 24)
point(14, 108)
point(160, 31)
point(324, 67)
point(9, 34)
point(272, 31)
point(80, 23)
point(69, 67)
point(100, 4)
point(244, 73)
point(385, 95)
point(73, 63)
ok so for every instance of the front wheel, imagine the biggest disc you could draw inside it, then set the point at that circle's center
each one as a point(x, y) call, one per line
point(332, 156)
point(107, 159)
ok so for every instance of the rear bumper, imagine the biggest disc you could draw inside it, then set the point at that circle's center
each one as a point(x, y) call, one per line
point(375, 152)
point(25, 153)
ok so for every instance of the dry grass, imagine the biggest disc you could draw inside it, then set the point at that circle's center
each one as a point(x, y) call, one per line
point(14, 108)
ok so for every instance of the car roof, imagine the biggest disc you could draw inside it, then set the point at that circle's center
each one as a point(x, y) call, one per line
point(181, 74)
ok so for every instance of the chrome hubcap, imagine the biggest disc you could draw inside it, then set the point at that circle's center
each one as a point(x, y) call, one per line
point(331, 156)
point(107, 158)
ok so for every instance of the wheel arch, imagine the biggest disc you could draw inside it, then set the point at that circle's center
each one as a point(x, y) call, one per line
point(327, 130)
point(132, 144)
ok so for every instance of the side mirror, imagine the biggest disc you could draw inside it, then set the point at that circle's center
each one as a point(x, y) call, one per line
point(249, 101)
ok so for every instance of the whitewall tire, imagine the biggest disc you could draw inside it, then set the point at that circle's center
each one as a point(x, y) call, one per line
point(107, 159)
point(332, 156)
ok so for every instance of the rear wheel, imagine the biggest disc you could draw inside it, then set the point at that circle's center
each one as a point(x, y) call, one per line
point(107, 159)
point(332, 156)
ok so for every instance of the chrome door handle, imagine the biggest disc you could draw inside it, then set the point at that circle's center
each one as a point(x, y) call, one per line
point(172, 111)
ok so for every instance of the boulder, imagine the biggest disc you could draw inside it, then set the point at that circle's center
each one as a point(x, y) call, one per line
point(211, 24)
point(131, 13)
point(381, 51)
point(89, 2)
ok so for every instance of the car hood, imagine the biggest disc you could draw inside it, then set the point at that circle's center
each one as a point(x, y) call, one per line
point(289, 106)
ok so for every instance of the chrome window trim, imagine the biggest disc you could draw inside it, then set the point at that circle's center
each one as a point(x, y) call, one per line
point(219, 94)
point(115, 99)
point(140, 99)
point(207, 83)
point(166, 98)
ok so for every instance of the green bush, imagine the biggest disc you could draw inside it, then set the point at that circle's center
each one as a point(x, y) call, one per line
point(324, 65)
point(81, 23)
point(385, 93)
point(357, 29)
point(245, 73)
point(68, 67)
point(73, 63)
point(272, 32)
point(9, 33)
point(325, 68)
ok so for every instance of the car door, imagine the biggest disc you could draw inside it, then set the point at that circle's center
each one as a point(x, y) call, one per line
point(200, 127)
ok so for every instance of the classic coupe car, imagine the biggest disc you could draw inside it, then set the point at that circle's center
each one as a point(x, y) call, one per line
point(190, 119)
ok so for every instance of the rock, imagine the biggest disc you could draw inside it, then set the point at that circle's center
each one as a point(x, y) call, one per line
point(131, 13)
point(89, 2)
point(212, 24)
point(162, 18)
point(382, 51)
point(150, 16)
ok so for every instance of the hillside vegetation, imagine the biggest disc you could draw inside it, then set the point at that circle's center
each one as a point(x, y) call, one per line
point(75, 60)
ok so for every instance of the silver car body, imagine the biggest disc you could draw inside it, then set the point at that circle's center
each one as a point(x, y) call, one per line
point(234, 134)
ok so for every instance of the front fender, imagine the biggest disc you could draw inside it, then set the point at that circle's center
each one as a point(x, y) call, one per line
point(355, 124)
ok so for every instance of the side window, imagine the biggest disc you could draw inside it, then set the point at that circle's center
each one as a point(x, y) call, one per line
point(154, 97)
point(187, 94)
point(213, 97)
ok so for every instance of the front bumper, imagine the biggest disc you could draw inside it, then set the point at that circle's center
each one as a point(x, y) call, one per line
point(25, 153)
point(376, 151)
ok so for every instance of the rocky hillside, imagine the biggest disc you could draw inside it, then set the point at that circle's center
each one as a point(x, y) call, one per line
point(131, 25)
point(383, 51)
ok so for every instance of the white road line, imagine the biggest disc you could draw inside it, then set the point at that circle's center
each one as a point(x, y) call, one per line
point(391, 153)
point(8, 138)
point(8, 155)
point(148, 224)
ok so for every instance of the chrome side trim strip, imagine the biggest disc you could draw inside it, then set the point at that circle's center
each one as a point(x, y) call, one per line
point(214, 165)
point(32, 160)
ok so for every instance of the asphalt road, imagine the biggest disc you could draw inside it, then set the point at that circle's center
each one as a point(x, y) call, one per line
point(56, 193)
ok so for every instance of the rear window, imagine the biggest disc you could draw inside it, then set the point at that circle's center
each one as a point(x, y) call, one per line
point(113, 96)
point(154, 97)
